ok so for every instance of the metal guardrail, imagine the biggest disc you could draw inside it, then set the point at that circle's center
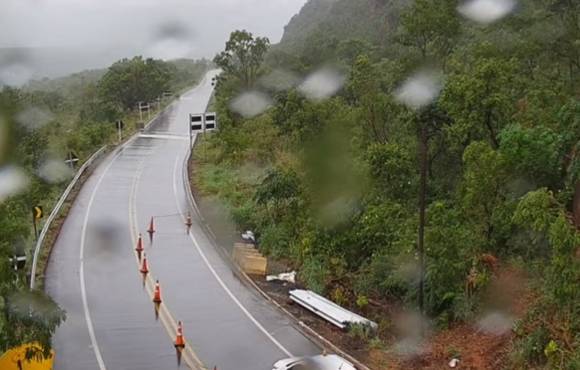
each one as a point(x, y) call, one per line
point(69, 188)
point(329, 310)
point(56, 211)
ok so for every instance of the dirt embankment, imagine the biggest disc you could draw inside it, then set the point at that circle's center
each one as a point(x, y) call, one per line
point(478, 345)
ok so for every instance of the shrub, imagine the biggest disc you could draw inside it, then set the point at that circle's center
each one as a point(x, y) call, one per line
point(314, 273)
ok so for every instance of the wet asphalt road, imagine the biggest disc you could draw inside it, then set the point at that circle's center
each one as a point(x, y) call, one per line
point(93, 272)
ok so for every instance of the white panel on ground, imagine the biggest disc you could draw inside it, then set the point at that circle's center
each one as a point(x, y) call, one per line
point(328, 310)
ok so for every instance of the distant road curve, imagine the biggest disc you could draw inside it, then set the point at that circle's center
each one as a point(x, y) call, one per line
point(93, 270)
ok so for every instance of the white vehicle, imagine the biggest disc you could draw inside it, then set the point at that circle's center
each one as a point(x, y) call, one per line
point(320, 362)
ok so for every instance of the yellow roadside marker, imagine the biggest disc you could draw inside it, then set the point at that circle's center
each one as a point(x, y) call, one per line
point(11, 359)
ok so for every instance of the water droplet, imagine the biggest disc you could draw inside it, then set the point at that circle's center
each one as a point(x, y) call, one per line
point(496, 323)
point(486, 11)
point(55, 171)
point(173, 40)
point(34, 118)
point(12, 181)
point(14, 75)
point(322, 84)
point(251, 104)
point(420, 89)
point(15, 68)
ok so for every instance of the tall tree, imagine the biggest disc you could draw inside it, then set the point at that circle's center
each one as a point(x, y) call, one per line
point(130, 81)
point(429, 27)
point(243, 56)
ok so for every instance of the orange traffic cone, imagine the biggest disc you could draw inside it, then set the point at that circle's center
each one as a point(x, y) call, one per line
point(151, 227)
point(179, 341)
point(139, 247)
point(144, 267)
point(157, 293)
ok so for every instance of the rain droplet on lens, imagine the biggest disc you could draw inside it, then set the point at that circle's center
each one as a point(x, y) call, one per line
point(15, 67)
point(419, 90)
point(34, 118)
point(14, 75)
point(409, 347)
point(486, 11)
point(496, 323)
point(55, 171)
point(12, 181)
point(173, 30)
point(322, 84)
point(173, 40)
point(251, 104)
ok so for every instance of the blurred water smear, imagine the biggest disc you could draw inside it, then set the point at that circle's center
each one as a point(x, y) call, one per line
point(33, 118)
point(486, 11)
point(420, 90)
point(55, 171)
point(495, 323)
point(322, 84)
point(172, 40)
point(12, 181)
point(251, 103)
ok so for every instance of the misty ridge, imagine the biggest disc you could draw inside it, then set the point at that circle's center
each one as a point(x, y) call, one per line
point(21, 65)
point(54, 38)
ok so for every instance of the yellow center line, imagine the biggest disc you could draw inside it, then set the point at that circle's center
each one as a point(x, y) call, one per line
point(167, 319)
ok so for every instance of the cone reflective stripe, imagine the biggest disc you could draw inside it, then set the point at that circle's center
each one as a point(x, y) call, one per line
point(144, 267)
point(157, 293)
point(139, 247)
point(151, 227)
point(188, 222)
point(179, 341)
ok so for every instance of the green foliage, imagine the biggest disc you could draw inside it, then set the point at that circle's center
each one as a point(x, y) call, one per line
point(530, 350)
point(392, 167)
point(80, 110)
point(360, 332)
point(451, 251)
point(280, 193)
point(430, 27)
point(535, 153)
point(479, 98)
point(564, 270)
point(483, 192)
point(275, 240)
point(341, 197)
point(377, 110)
point(362, 301)
point(243, 56)
point(386, 275)
point(130, 81)
point(30, 317)
point(536, 210)
point(314, 273)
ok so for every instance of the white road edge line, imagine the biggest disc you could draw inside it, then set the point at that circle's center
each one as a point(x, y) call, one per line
point(215, 274)
point(88, 319)
point(168, 321)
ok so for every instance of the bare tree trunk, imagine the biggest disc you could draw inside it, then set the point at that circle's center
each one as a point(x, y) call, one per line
point(576, 205)
point(423, 149)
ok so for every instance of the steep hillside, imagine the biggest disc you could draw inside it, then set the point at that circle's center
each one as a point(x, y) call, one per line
point(370, 20)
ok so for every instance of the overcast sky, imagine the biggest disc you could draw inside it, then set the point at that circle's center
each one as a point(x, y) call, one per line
point(103, 30)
